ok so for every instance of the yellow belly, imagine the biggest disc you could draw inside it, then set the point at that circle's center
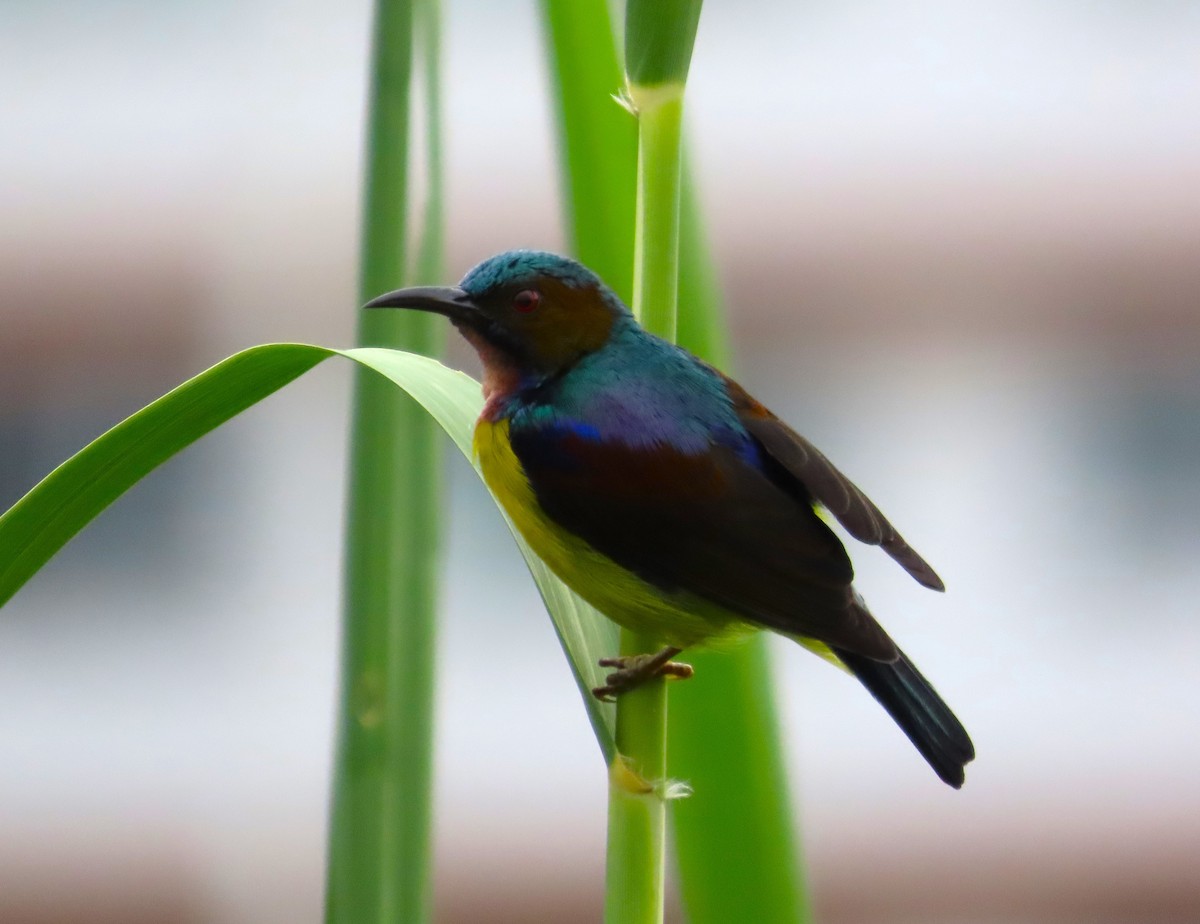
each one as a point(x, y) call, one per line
point(678, 619)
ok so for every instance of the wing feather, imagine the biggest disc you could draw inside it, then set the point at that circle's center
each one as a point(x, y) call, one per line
point(822, 480)
point(711, 524)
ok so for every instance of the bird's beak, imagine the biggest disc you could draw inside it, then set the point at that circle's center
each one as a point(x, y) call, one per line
point(450, 301)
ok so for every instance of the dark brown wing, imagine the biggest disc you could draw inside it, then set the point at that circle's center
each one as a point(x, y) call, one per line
point(710, 524)
point(837, 493)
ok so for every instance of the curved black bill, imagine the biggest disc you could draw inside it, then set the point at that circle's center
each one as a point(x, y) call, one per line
point(451, 301)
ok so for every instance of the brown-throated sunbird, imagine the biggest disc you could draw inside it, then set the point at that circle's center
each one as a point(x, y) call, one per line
point(665, 495)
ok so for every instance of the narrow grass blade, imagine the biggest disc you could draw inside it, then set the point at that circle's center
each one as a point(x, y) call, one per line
point(429, 261)
point(659, 35)
point(741, 791)
point(597, 138)
point(741, 795)
point(34, 529)
point(44, 520)
point(379, 850)
point(636, 857)
point(454, 400)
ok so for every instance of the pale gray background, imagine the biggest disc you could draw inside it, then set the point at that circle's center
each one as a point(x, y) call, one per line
point(961, 245)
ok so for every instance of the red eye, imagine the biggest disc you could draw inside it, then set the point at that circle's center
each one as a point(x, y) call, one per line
point(526, 300)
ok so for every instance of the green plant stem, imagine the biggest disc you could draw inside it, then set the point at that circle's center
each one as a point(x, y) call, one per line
point(379, 853)
point(656, 245)
point(636, 857)
point(637, 778)
point(741, 791)
point(429, 264)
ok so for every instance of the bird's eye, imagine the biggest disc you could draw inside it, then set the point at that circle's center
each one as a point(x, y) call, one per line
point(526, 300)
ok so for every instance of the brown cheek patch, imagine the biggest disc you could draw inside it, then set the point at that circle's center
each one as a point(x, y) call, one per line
point(572, 321)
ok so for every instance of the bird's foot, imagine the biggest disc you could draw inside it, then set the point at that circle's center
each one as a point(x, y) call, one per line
point(634, 670)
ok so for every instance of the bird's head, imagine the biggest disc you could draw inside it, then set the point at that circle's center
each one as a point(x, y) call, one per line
point(530, 315)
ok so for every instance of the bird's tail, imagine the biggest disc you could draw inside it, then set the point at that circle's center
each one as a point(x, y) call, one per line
point(916, 707)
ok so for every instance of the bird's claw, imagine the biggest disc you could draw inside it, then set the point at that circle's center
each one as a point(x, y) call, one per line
point(634, 670)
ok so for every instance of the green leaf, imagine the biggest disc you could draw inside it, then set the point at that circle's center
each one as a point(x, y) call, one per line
point(597, 138)
point(67, 499)
point(741, 791)
point(659, 35)
point(741, 787)
point(379, 842)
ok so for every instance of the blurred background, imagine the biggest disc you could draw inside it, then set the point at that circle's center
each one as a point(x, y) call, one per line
point(961, 248)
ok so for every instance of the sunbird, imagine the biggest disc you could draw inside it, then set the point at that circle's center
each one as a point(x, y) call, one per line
point(665, 495)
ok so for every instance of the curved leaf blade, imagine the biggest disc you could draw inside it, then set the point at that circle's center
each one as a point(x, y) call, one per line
point(454, 400)
point(71, 496)
point(34, 529)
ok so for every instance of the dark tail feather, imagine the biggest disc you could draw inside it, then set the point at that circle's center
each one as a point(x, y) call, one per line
point(918, 710)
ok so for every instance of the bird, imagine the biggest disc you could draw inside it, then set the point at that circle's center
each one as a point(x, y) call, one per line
point(665, 495)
